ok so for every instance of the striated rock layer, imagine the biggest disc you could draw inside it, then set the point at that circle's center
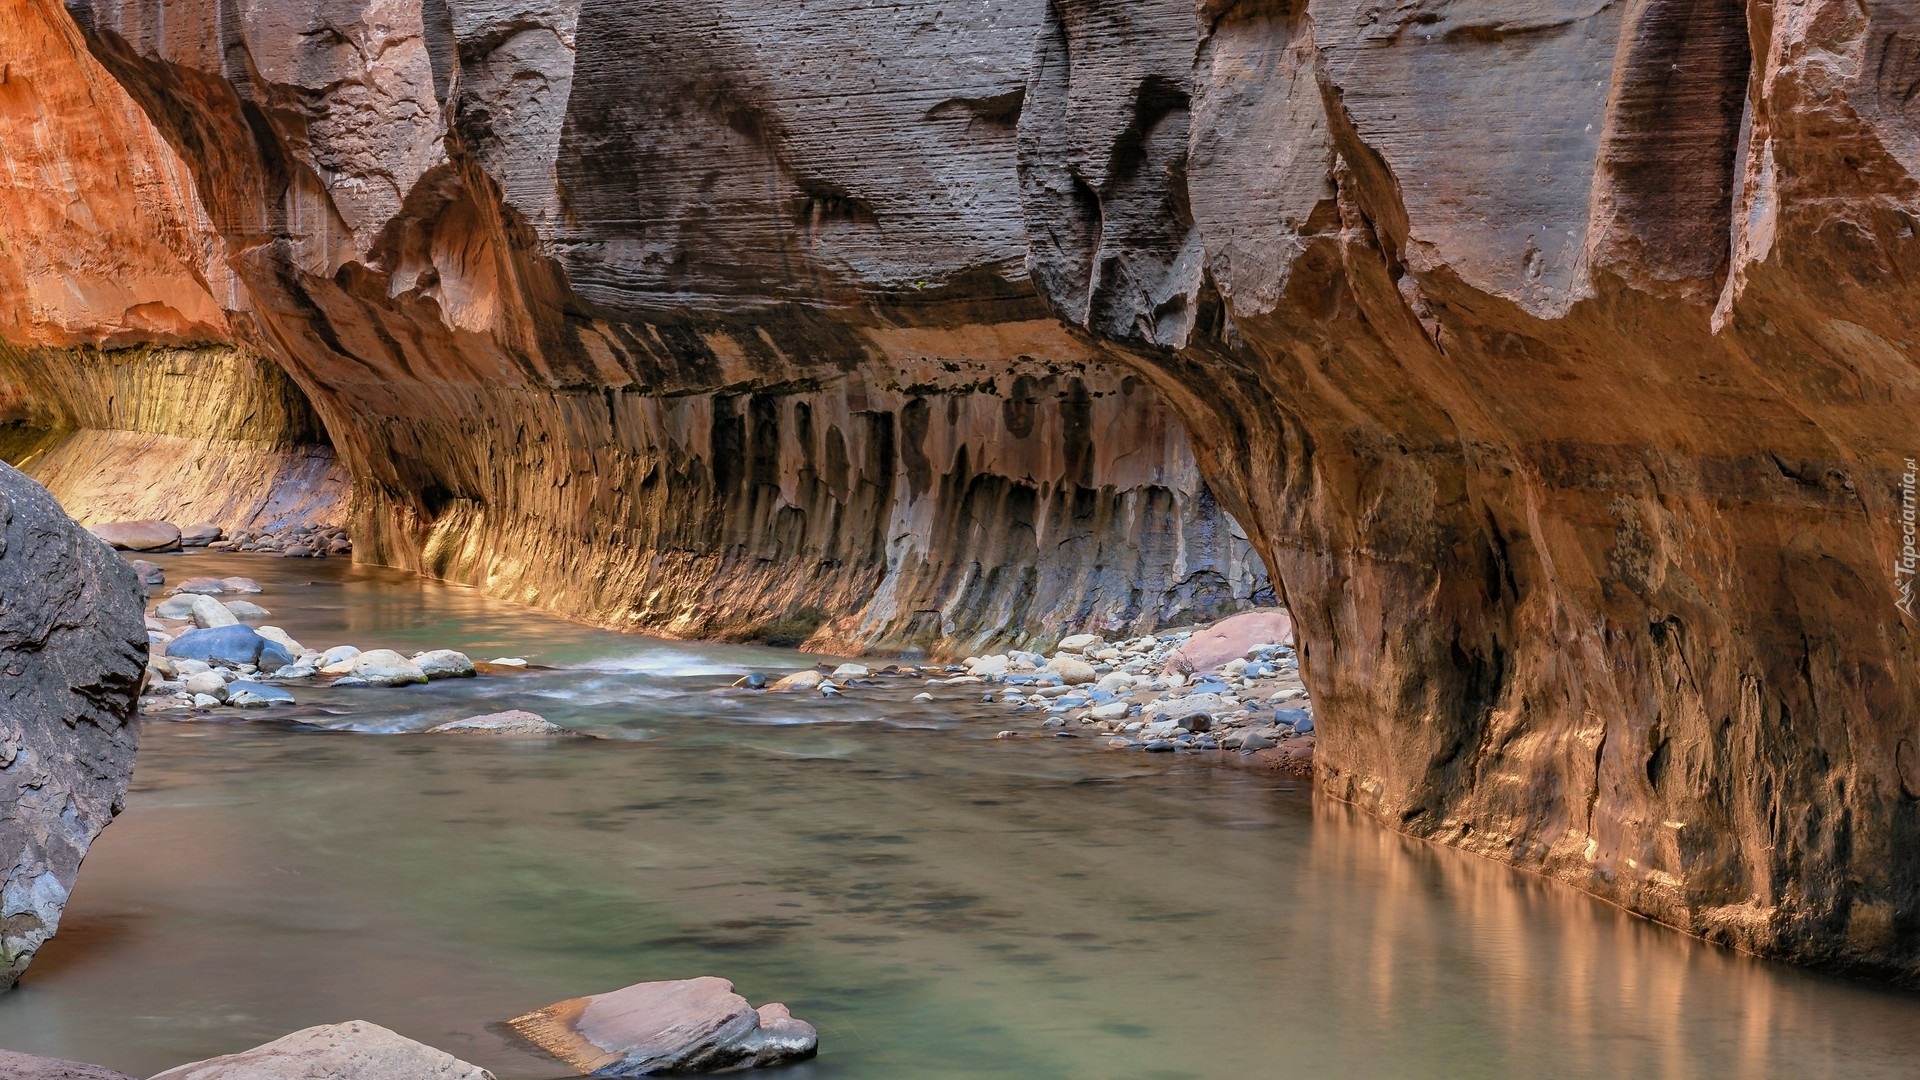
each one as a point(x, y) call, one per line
point(1556, 355)
point(73, 645)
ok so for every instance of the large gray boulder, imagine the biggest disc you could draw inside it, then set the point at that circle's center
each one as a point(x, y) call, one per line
point(355, 1050)
point(27, 1067)
point(73, 645)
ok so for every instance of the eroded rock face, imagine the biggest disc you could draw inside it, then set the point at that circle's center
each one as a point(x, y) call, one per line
point(73, 645)
point(1557, 357)
point(1560, 358)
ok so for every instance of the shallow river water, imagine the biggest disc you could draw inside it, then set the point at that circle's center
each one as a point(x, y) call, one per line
point(940, 904)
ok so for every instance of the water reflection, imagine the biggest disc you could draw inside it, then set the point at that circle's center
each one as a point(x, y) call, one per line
point(940, 903)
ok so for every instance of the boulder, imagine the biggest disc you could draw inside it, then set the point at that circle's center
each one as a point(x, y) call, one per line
point(384, 667)
point(149, 573)
point(1080, 643)
point(201, 534)
point(281, 638)
point(241, 585)
point(511, 722)
point(693, 1025)
point(209, 613)
point(988, 665)
point(851, 671)
point(1230, 638)
point(800, 680)
point(444, 664)
point(355, 1050)
point(230, 645)
point(252, 695)
point(206, 586)
point(175, 607)
point(73, 647)
point(1072, 670)
point(207, 682)
point(139, 535)
point(246, 609)
point(27, 1067)
point(338, 660)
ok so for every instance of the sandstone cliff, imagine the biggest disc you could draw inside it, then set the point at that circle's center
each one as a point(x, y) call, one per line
point(73, 645)
point(1556, 355)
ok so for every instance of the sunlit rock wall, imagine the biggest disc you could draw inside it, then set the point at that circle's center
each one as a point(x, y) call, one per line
point(1562, 356)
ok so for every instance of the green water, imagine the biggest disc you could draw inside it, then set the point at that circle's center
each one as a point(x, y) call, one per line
point(939, 903)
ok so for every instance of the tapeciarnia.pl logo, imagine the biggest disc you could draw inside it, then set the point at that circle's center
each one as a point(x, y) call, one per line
point(1909, 560)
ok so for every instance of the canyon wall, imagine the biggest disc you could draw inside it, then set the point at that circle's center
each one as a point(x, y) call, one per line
point(1554, 354)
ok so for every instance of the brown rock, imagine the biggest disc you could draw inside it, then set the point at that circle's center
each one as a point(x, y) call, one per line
point(355, 1050)
point(693, 1025)
point(26, 1067)
point(511, 722)
point(1229, 639)
point(138, 535)
point(201, 534)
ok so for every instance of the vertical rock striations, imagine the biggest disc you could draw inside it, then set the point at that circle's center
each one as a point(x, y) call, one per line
point(1555, 356)
point(73, 645)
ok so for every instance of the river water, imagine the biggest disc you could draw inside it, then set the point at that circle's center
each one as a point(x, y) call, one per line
point(939, 903)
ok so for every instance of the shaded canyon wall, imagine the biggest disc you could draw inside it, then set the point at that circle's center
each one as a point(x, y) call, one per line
point(1555, 354)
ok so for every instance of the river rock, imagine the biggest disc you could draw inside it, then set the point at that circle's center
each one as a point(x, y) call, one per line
point(511, 722)
point(175, 607)
point(988, 665)
point(206, 586)
point(139, 535)
point(338, 660)
point(201, 534)
point(1229, 639)
point(384, 667)
point(281, 638)
point(241, 585)
point(444, 664)
point(230, 645)
point(149, 573)
point(1112, 710)
point(27, 1067)
point(800, 680)
point(355, 1050)
point(207, 682)
point(209, 613)
point(73, 649)
point(252, 695)
point(688, 1026)
point(1080, 643)
point(246, 609)
point(1071, 669)
point(851, 671)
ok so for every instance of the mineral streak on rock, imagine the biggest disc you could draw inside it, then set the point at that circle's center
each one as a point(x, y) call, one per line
point(73, 645)
point(1559, 358)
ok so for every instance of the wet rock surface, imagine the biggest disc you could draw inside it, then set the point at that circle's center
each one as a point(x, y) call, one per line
point(72, 645)
point(27, 1067)
point(686, 1026)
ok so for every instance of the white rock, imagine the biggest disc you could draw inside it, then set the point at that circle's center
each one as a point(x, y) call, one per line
point(279, 636)
point(507, 661)
point(355, 1050)
point(851, 671)
point(1072, 669)
point(384, 667)
point(1174, 679)
point(1079, 643)
point(184, 668)
point(206, 701)
point(988, 665)
point(1112, 710)
point(1108, 654)
point(923, 697)
point(444, 664)
point(800, 680)
point(208, 613)
point(206, 682)
point(338, 660)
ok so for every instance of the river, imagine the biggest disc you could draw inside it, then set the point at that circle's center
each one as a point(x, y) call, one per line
point(941, 904)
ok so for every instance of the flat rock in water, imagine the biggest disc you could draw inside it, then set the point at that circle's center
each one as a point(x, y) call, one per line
point(800, 680)
point(247, 609)
point(1230, 638)
point(384, 667)
point(444, 664)
point(231, 645)
point(201, 534)
point(253, 695)
point(27, 1067)
point(355, 1050)
point(138, 535)
point(511, 722)
point(692, 1025)
point(205, 586)
point(241, 584)
point(175, 607)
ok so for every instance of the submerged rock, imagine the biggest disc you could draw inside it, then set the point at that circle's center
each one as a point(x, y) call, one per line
point(73, 649)
point(692, 1025)
point(246, 609)
point(253, 695)
point(241, 585)
point(206, 586)
point(139, 535)
point(511, 722)
point(800, 680)
point(27, 1067)
point(355, 1050)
